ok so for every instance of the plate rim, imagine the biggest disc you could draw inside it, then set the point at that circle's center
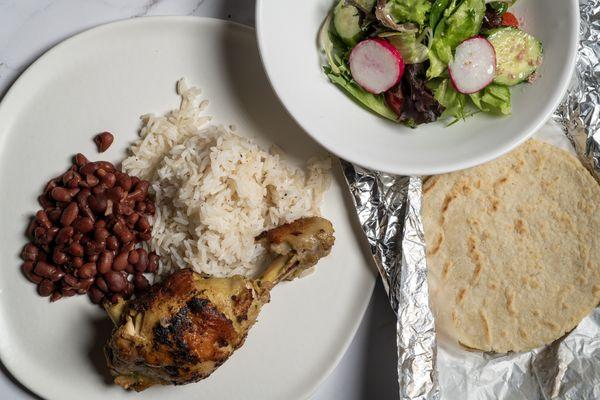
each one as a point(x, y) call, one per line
point(14, 88)
point(404, 169)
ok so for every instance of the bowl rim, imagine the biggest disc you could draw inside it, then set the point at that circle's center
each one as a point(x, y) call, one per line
point(479, 158)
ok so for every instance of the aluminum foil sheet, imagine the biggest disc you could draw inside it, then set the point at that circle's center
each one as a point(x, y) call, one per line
point(388, 208)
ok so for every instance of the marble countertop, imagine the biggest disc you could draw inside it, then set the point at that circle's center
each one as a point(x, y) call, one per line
point(30, 27)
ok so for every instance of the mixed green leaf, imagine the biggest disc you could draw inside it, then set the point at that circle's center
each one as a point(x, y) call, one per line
point(426, 33)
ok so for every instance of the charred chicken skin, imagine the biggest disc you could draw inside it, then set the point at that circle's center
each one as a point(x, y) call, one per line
point(186, 326)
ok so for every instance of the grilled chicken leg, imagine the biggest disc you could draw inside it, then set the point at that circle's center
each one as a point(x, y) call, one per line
point(185, 327)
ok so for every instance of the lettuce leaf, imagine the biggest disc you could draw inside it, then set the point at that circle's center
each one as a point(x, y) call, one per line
point(375, 103)
point(409, 45)
point(494, 99)
point(453, 102)
point(338, 73)
point(408, 10)
point(461, 20)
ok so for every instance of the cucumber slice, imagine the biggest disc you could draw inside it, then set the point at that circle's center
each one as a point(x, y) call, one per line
point(518, 55)
point(346, 21)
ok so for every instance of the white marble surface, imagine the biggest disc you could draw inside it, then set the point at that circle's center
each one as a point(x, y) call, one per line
point(30, 27)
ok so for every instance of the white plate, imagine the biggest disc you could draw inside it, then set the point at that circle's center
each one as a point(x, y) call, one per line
point(287, 37)
point(104, 79)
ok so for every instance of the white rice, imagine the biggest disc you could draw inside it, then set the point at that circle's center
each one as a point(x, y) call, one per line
point(216, 191)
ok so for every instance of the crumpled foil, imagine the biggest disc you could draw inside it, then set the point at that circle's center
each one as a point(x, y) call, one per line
point(388, 208)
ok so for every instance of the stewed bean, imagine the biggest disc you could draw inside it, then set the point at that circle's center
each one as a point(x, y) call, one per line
point(116, 281)
point(45, 288)
point(105, 261)
point(84, 239)
point(69, 214)
point(103, 141)
point(87, 271)
point(30, 252)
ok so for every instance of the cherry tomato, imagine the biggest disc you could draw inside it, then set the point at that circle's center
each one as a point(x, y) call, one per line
point(509, 19)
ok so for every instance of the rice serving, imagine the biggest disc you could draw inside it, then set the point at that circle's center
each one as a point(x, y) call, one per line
point(215, 191)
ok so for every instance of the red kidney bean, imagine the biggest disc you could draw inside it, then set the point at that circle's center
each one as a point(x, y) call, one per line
point(109, 180)
point(97, 203)
point(84, 225)
point(105, 262)
point(124, 181)
point(84, 285)
point(91, 181)
point(45, 288)
point(59, 257)
point(150, 208)
point(125, 207)
point(100, 283)
point(140, 282)
point(76, 249)
point(140, 207)
point(134, 180)
point(144, 236)
point(48, 235)
point(101, 234)
point(54, 214)
point(77, 262)
point(152, 263)
point(39, 234)
point(82, 196)
point(87, 271)
point(55, 297)
point(143, 224)
point(42, 219)
point(116, 281)
point(116, 194)
point(70, 281)
point(92, 248)
point(67, 176)
point(45, 270)
point(64, 235)
point(31, 227)
point(101, 173)
point(105, 165)
point(142, 263)
point(27, 269)
point(100, 189)
point(44, 201)
point(95, 295)
point(60, 194)
point(100, 224)
point(69, 214)
point(120, 261)
point(112, 243)
point(51, 184)
point(129, 269)
point(73, 192)
point(80, 160)
point(133, 219)
point(30, 252)
point(67, 292)
point(133, 257)
point(103, 141)
point(88, 168)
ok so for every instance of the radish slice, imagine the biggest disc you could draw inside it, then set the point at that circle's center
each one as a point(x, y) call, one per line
point(474, 65)
point(376, 65)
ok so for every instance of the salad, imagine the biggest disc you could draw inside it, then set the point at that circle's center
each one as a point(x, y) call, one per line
point(416, 61)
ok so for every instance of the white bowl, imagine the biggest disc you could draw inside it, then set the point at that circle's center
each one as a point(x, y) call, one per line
point(287, 37)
